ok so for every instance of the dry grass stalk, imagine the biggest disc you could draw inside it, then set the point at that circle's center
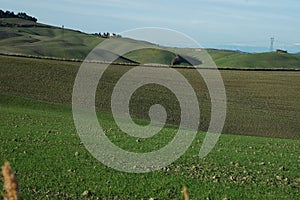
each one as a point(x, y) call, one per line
point(185, 193)
point(10, 183)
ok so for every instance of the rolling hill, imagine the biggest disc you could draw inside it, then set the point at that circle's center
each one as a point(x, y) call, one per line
point(32, 38)
point(27, 37)
point(260, 60)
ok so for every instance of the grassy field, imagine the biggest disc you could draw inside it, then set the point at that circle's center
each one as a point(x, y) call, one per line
point(40, 141)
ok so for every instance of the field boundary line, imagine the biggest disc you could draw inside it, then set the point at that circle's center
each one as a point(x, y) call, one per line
point(144, 65)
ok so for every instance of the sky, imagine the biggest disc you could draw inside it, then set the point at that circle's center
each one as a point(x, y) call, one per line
point(245, 25)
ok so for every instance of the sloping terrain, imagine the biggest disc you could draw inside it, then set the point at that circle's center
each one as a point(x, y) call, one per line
point(31, 38)
point(260, 104)
point(260, 60)
point(39, 138)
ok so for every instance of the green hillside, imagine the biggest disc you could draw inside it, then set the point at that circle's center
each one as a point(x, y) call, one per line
point(219, 54)
point(28, 37)
point(153, 56)
point(234, 59)
point(32, 38)
point(158, 56)
point(260, 60)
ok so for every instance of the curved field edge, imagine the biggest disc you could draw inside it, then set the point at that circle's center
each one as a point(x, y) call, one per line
point(40, 141)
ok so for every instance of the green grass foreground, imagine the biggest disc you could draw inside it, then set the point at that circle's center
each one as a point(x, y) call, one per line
point(40, 141)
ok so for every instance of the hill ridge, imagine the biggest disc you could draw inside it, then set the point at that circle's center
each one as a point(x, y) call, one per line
point(21, 36)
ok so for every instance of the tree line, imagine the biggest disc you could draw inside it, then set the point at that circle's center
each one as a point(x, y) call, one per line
point(107, 35)
point(21, 15)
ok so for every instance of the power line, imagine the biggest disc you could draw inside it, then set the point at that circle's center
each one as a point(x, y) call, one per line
point(272, 44)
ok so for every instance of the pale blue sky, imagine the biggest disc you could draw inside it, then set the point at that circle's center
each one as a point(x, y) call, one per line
point(238, 24)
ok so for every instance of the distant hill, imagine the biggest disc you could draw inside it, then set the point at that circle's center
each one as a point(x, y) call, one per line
point(259, 60)
point(28, 37)
point(160, 56)
point(20, 15)
point(32, 38)
point(18, 35)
